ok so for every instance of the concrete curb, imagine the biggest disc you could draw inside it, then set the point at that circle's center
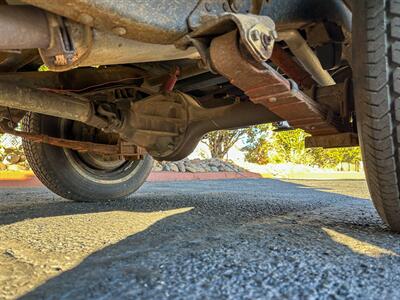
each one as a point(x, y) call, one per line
point(28, 180)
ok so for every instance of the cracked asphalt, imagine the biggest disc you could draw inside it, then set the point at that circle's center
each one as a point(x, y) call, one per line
point(232, 239)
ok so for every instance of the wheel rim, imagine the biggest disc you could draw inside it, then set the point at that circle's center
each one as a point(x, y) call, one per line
point(103, 169)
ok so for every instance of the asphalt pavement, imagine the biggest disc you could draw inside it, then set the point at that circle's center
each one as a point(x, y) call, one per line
point(229, 239)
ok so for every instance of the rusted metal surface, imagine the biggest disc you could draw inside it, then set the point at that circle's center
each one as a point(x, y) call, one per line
point(64, 95)
point(156, 22)
point(265, 86)
point(257, 34)
point(85, 82)
point(170, 125)
point(210, 9)
point(160, 22)
point(109, 49)
point(246, 6)
point(286, 63)
point(166, 21)
point(65, 44)
point(23, 27)
point(207, 9)
point(338, 98)
point(70, 44)
point(122, 148)
point(48, 103)
point(347, 139)
point(234, 116)
point(88, 47)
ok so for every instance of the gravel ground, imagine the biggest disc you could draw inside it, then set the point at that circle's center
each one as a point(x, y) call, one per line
point(241, 239)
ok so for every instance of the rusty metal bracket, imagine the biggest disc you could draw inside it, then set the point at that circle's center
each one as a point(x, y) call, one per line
point(70, 44)
point(207, 9)
point(257, 34)
point(127, 150)
point(265, 86)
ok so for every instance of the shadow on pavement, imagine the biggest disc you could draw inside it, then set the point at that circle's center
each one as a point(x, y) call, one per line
point(217, 239)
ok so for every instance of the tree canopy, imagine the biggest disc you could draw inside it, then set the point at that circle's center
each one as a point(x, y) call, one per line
point(220, 142)
point(263, 146)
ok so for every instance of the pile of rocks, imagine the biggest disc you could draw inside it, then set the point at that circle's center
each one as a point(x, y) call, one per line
point(197, 166)
point(13, 159)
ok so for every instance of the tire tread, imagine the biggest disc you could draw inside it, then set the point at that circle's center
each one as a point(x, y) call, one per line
point(378, 110)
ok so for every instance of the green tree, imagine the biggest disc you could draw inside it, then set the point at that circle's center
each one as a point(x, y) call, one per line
point(258, 144)
point(266, 146)
point(220, 142)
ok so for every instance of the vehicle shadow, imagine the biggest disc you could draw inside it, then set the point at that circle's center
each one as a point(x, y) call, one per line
point(222, 228)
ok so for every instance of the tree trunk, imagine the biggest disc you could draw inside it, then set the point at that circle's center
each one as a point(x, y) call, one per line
point(217, 152)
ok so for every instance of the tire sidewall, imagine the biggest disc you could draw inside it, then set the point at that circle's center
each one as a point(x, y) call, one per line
point(72, 182)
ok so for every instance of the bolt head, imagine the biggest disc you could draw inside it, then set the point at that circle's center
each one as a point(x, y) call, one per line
point(266, 40)
point(255, 35)
point(85, 19)
point(235, 7)
point(272, 100)
point(119, 30)
point(226, 7)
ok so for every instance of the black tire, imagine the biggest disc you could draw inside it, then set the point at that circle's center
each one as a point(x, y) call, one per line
point(65, 173)
point(376, 66)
